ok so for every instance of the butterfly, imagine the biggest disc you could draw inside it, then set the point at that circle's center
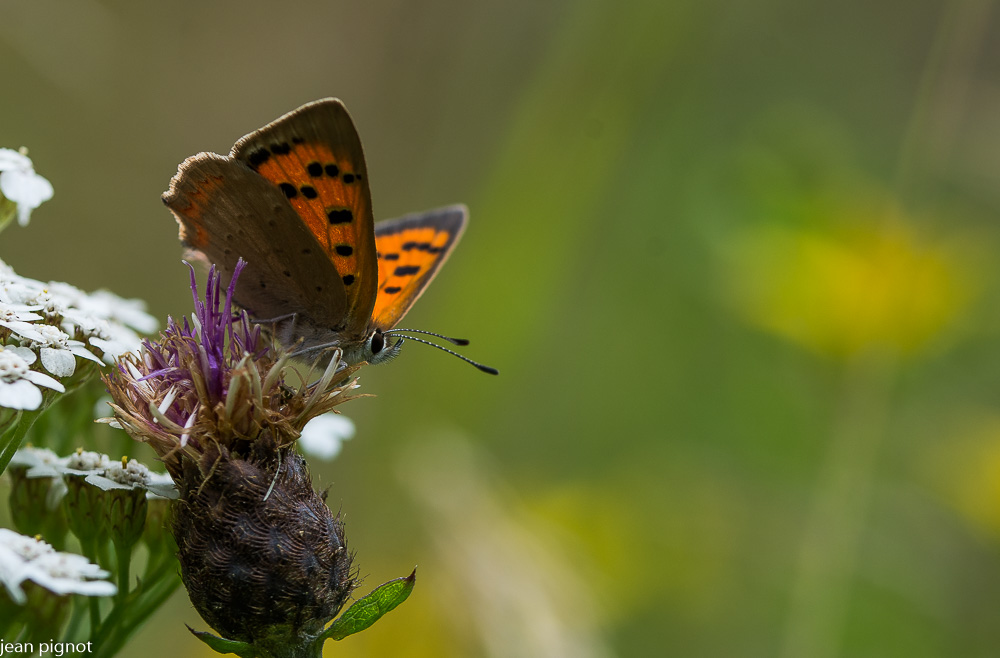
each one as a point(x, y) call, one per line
point(292, 199)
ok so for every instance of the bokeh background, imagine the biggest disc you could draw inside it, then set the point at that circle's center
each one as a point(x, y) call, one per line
point(735, 262)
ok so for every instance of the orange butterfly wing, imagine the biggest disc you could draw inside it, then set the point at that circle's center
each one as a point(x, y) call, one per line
point(225, 212)
point(314, 156)
point(293, 199)
point(410, 250)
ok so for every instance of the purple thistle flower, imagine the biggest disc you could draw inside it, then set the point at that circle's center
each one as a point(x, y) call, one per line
point(262, 556)
point(214, 374)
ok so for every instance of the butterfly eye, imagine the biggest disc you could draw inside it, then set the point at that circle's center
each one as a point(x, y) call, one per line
point(377, 342)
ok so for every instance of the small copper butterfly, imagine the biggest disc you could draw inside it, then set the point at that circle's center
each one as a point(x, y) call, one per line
point(293, 200)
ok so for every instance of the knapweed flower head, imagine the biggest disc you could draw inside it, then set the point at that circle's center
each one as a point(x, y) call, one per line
point(214, 379)
point(262, 556)
point(20, 186)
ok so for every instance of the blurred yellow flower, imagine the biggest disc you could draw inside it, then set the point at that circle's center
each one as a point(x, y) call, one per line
point(842, 290)
point(967, 471)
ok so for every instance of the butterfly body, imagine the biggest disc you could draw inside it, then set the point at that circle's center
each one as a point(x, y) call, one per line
point(292, 199)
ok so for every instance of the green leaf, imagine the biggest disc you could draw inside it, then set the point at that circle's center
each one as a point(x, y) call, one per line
point(369, 609)
point(222, 645)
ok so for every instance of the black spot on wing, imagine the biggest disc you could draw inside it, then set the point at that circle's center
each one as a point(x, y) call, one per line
point(259, 157)
point(340, 215)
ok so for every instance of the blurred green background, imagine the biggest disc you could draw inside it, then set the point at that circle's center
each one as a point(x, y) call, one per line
point(733, 261)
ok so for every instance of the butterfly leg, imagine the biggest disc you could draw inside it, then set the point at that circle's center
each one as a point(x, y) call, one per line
point(282, 328)
point(280, 318)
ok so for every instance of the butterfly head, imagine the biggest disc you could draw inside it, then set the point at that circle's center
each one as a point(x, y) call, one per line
point(378, 348)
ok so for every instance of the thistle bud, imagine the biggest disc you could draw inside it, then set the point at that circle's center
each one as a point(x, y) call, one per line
point(263, 558)
point(259, 565)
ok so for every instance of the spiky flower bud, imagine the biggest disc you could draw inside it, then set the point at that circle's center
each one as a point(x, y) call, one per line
point(263, 558)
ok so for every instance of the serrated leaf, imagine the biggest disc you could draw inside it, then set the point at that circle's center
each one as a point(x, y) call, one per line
point(369, 609)
point(222, 645)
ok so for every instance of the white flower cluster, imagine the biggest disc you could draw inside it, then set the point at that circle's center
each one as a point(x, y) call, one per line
point(53, 324)
point(98, 469)
point(130, 474)
point(24, 558)
point(19, 183)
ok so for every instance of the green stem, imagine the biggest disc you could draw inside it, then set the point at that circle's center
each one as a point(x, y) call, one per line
point(95, 614)
point(24, 424)
point(829, 547)
point(124, 555)
point(17, 631)
point(73, 627)
point(89, 550)
point(103, 554)
point(125, 619)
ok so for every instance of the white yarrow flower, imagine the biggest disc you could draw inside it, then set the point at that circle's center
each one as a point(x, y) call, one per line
point(85, 462)
point(133, 475)
point(26, 548)
point(67, 573)
point(102, 319)
point(17, 312)
point(129, 312)
point(19, 383)
point(323, 436)
point(18, 317)
point(20, 184)
point(161, 485)
point(113, 339)
point(58, 351)
point(25, 558)
point(43, 463)
point(13, 572)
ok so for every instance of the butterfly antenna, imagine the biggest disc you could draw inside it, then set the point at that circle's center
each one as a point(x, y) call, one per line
point(492, 371)
point(453, 341)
